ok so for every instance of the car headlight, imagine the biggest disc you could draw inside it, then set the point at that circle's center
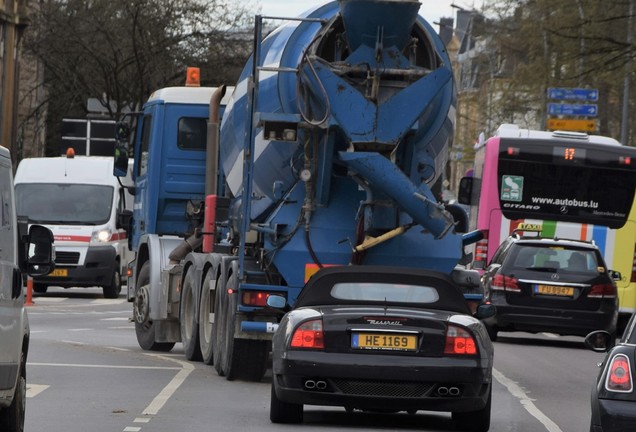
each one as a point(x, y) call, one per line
point(102, 236)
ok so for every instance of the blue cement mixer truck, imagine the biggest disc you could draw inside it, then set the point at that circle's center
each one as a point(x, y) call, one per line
point(325, 153)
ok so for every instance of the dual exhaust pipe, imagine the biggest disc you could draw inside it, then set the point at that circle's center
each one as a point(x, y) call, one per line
point(448, 391)
point(315, 385)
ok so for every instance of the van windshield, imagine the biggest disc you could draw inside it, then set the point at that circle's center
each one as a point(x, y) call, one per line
point(64, 204)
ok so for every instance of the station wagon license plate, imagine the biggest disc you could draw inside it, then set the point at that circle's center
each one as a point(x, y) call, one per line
point(554, 290)
point(59, 272)
point(384, 341)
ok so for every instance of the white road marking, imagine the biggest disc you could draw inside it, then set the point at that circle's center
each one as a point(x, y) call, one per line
point(49, 300)
point(527, 403)
point(142, 420)
point(167, 392)
point(35, 389)
point(132, 429)
point(100, 302)
point(114, 319)
point(98, 366)
point(79, 329)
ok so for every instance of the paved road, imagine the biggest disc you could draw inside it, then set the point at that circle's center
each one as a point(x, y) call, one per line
point(87, 373)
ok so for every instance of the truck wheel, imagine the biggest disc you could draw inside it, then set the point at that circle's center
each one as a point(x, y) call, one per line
point(206, 307)
point(241, 358)
point(114, 289)
point(144, 327)
point(12, 417)
point(218, 330)
point(283, 412)
point(187, 322)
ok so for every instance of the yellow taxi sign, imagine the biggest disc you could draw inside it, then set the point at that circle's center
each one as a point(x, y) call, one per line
point(529, 227)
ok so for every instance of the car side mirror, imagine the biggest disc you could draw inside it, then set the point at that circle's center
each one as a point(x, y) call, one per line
point(41, 254)
point(123, 219)
point(615, 275)
point(599, 341)
point(120, 165)
point(278, 302)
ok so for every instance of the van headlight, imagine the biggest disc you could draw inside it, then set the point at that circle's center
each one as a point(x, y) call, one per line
point(102, 236)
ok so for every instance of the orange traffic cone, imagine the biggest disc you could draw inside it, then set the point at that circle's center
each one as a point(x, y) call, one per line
point(29, 292)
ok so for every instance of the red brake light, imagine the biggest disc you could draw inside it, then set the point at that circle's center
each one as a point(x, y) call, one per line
point(504, 283)
point(459, 341)
point(619, 377)
point(607, 290)
point(481, 248)
point(255, 298)
point(309, 335)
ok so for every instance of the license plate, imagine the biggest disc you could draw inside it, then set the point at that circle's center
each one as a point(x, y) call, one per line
point(59, 272)
point(384, 341)
point(555, 290)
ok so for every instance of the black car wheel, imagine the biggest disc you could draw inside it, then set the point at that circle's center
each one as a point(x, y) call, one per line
point(493, 332)
point(113, 290)
point(283, 412)
point(12, 417)
point(475, 421)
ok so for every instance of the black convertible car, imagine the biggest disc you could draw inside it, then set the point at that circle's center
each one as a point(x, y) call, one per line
point(382, 339)
point(613, 395)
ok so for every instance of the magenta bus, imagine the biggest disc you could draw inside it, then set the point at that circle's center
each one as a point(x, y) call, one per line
point(573, 185)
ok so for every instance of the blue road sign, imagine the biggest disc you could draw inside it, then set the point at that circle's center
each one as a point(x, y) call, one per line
point(579, 94)
point(588, 110)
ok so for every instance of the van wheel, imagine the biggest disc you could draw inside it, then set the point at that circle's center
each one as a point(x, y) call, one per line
point(12, 417)
point(144, 326)
point(39, 288)
point(114, 289)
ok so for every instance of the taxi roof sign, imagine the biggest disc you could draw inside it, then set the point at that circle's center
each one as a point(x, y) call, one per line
point(529, 227)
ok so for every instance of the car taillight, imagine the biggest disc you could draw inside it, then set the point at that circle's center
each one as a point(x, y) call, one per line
point(481, 249)
point(255, 298)
point(505, 283)
point(459, 341)
point(607, 290)
point(619, 377)
point(309, 335)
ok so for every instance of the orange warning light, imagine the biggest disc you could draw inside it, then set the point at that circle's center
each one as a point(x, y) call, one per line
point(193, 77)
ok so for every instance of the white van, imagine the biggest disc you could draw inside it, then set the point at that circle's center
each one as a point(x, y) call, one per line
point(22, 252)
point(78, 198)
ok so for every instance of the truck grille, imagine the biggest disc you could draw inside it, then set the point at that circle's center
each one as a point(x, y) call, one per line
point(382, 388)
point(62, 258)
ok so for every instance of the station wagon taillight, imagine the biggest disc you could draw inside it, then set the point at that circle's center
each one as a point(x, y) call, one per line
point(481, 249)
point(459, 341)
point(309, 335)
point(619, 376)
point(607, 290)
point(505, 283)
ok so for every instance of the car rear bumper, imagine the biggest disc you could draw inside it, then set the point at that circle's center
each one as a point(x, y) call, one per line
point(571, 322)
point(407, 384)
point(615, 416)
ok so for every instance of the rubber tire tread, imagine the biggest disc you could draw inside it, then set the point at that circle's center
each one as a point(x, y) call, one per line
point(113, 290)
point(283, 412)
point(207, 348)
point(146, 335)
point(191, 347)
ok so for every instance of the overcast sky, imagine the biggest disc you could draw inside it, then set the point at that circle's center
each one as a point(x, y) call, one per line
point(431, 10)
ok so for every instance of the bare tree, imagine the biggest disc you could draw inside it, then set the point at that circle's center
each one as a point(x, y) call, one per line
point(119, 51)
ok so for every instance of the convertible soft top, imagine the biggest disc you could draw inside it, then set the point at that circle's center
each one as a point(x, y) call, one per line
point(318, 290)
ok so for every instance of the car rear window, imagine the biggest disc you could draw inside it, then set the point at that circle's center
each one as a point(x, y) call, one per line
point(388, 292)
point(557, 257)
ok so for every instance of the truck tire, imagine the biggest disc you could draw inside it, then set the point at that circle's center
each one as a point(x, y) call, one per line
point(144, 327)
point(218, 330)
point(206, 328)
point(113, 290)
point(283, 412)
point(12, 417)
point(187, 318)
point(240, 358)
